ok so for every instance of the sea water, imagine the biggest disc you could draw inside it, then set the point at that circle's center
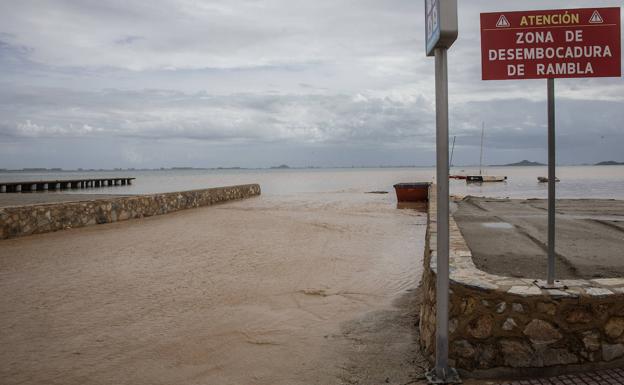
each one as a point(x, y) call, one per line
point(576, 181)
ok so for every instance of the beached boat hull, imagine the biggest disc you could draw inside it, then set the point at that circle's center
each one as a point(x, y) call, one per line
point(412, 192)
point(485, 178)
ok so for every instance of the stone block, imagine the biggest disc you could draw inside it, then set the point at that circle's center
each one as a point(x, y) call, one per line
point(546, 307)
point(614, 327)
point(576, 316)
point(462, 348)
point(481, 327)
point(552, 357)
point(612, 351)
point(509, 324)
point(486, 356)
point(541, 332)
point(598, 292)
point(516, 354)
point(469, 305)
point(525, 291)
point(591, 340)
point(453, 325)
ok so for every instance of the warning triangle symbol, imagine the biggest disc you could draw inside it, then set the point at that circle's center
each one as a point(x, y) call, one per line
point(596, 18)
point(503, 22)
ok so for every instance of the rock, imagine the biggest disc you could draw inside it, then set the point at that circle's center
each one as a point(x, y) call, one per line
point(517, 307)
point(598, 292)
point(612, 351)
point(463, 348)
point(485, 303)
point(545, 307)
point(486, 356)
point(541, 332)
point(481, 327)
point(601, 310)
point(579, 316)
point(614, 327)
point(500, 307)
point(525, 291)
point(516, 354)
point(589, 356)
point(469, 305)
point(453, 325)
point(552, 357)
point(592, 341)
point(509, 324)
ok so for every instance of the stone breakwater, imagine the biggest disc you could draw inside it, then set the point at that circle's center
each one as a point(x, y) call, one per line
point(42, 218)
point(510, 325)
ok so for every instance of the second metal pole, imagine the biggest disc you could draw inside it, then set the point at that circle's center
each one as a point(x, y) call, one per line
point(442, 163)
point(552, 179)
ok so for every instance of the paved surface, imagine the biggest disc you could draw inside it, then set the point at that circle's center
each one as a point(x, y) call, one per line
point(20, 199)
point(509, 236)
point(606, 377)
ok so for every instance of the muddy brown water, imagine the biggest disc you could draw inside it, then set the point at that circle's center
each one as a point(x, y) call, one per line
point(302, 289)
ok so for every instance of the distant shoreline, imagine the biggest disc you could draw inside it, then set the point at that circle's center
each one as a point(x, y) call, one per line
point(281, 168)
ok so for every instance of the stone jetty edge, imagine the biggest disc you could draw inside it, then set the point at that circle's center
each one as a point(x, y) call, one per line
point(502, 325)
point(17, 221)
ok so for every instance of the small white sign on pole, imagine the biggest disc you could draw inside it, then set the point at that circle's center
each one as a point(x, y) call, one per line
point(440, 24)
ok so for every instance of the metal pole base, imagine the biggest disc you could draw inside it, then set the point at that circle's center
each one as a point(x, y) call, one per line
point(450, 378)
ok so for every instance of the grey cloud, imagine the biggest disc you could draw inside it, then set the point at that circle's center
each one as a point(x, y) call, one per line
point(342, 81)
point(157, 114)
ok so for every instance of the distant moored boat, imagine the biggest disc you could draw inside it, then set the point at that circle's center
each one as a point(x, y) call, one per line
point(543, 179)
point(485, 178)
point(481, 177)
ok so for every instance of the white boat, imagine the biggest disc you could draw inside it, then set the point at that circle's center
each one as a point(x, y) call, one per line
point(485, 178)
point(481, 177)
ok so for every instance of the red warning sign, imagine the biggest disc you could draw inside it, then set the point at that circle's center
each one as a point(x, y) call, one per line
point(561, 43)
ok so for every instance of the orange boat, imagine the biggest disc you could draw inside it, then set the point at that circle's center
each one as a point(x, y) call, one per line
point(412, 192)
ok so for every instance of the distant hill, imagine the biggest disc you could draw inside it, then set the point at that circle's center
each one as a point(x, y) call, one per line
point(281, 166)
point(610, 163)
point(525, 163)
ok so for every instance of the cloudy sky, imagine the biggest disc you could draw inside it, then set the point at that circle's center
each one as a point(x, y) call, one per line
point(252, 83)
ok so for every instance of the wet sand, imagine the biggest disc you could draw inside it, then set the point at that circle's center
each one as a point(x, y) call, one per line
point(307, 289)
point(509, 236)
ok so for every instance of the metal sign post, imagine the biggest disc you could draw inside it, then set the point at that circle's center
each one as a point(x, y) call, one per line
point(549, 44)
point(441, 32)
point(550, 280)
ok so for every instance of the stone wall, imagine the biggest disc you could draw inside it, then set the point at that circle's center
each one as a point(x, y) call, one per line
point(510, 325)
point(35, 219)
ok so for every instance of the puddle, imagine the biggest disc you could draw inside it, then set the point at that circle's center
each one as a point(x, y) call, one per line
point(497, 225)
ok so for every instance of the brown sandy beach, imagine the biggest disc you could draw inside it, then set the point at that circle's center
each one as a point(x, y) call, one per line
point(312, 289)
